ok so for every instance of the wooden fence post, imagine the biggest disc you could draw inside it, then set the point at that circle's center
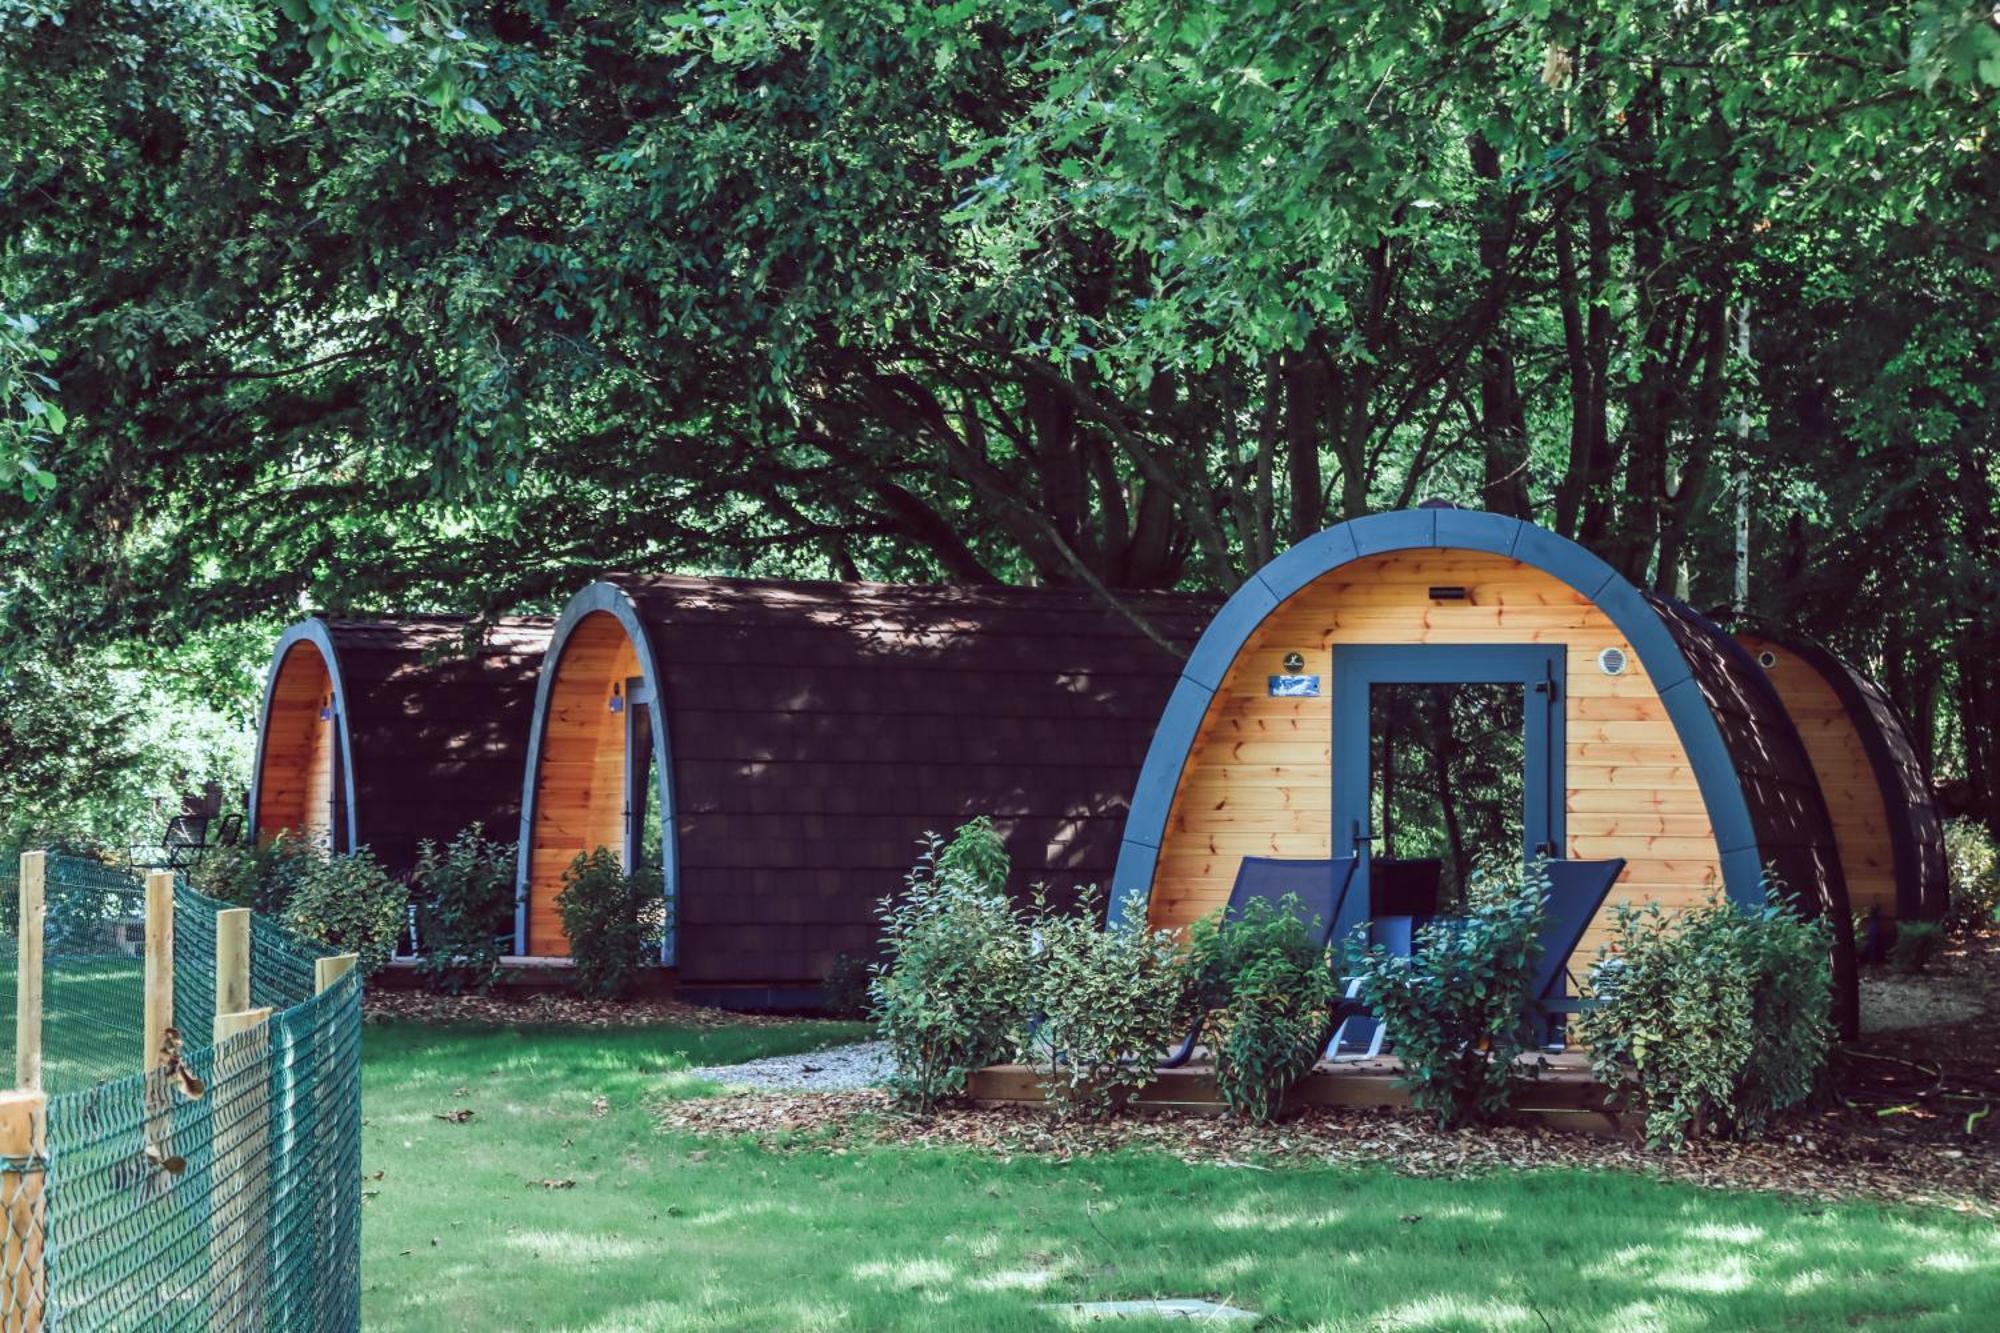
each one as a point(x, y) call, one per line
point(28, 984)
point(159, 1009)
point(326, 971)
point(24, 1200)
point(240, 1173)
point(232, 961)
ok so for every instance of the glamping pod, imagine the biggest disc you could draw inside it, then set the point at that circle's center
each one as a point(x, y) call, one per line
point(1877, 793)
point(1435, 689)
point(382, 733)
point(778, 748)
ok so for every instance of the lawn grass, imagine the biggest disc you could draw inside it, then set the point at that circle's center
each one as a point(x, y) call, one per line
point(663, 1231)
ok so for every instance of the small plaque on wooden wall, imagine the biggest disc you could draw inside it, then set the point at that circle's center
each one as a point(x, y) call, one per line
point(1294, 687)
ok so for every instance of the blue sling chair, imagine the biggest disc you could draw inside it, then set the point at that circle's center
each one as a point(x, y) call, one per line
point(1577, 890)
point(1321, 888)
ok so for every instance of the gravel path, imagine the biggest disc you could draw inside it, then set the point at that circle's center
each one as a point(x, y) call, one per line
point(836, 1069)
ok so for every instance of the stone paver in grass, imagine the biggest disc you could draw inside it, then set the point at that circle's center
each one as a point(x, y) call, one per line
point(1182, 1308)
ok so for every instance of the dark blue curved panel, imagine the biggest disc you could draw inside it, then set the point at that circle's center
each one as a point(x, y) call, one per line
point(1420, 529)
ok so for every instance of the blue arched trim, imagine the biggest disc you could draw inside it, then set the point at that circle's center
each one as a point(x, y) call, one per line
point(314, 632)
point(1424, 529)
point(612, 600)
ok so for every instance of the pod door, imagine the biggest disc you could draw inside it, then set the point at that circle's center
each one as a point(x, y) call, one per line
point(640, 845)
point(1446, 759)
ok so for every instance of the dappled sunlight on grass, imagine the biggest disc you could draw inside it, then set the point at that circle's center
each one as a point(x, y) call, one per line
point(1441, 1312)
point(1025, 1279)
point(1717, 1234)
point(731, 1214)
point(906, 1274)
point(575, 1248)
point(1702, 1271)
point(1255, 1215)
point(563, 1204)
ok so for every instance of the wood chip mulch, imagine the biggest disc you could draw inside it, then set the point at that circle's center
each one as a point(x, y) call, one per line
point(1804, 1162)
point(553, 1010)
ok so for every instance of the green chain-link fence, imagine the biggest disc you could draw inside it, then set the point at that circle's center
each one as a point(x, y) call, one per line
point(223, 1195)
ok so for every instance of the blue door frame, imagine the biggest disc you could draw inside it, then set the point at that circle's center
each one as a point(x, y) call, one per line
point(639, 705)
point(1542, 672)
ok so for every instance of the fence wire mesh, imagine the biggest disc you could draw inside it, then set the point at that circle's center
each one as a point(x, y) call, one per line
point(224, 1194)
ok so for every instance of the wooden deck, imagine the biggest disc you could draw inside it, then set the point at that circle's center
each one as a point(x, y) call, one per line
point(1565, 1097)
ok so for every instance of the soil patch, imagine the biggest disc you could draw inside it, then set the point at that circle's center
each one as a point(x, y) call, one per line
point(1926, 1071)
point(554, 1011)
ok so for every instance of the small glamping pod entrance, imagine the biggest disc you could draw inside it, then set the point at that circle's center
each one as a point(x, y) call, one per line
point(382, 733)
point(1879, 797)
point(1429, 689)
point(778, 748)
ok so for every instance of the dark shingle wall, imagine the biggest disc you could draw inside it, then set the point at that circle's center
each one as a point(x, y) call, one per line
point(819, 730)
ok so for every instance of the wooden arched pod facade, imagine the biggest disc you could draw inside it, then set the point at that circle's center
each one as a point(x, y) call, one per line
point(1649, 735)
point(808, 734)
point(1877, 793)
point(382, 733)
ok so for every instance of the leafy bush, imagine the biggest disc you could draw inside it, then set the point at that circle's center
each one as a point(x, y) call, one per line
point(464, 894)
point(264, 878)
point(1974, 863)
point(1272, 988)
point(1104, 1002)
point(1917, 943)
point(948, 998)
point(1713, 1021)
point(349, 903)
point(614, 922)
point(845, 990)
point(1455, 1005)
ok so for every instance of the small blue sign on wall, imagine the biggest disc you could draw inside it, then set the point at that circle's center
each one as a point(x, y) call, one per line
point(1295, 687)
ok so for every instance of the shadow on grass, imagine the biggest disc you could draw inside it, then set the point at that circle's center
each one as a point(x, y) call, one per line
point(552, 1209)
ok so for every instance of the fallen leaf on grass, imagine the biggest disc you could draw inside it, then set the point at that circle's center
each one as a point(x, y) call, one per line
point(1825, 1165)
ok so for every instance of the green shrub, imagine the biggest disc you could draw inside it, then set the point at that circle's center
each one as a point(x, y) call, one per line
point(949, 996)
point(263, 878)
point(1272, 987)
point(1714, 1021)
point(1974, 862)
point(1455, 1005)
point(1917, 944)
point(464, 895)
point(614, 922)
point(844, 993)
point(349, 903)
point(1104, 1001)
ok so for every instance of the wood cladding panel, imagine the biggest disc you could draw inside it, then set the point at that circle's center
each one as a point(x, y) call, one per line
point(1259, 777)
point(580, 781)
point(295, 767)
point(1854, 798)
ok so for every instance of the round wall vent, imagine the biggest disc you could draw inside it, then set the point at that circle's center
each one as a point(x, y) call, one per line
point(1767, 659)
point(1612, 661)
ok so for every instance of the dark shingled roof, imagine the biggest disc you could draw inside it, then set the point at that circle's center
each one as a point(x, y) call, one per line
point(437, 726)
point(1794, 832)
point(818, 730)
